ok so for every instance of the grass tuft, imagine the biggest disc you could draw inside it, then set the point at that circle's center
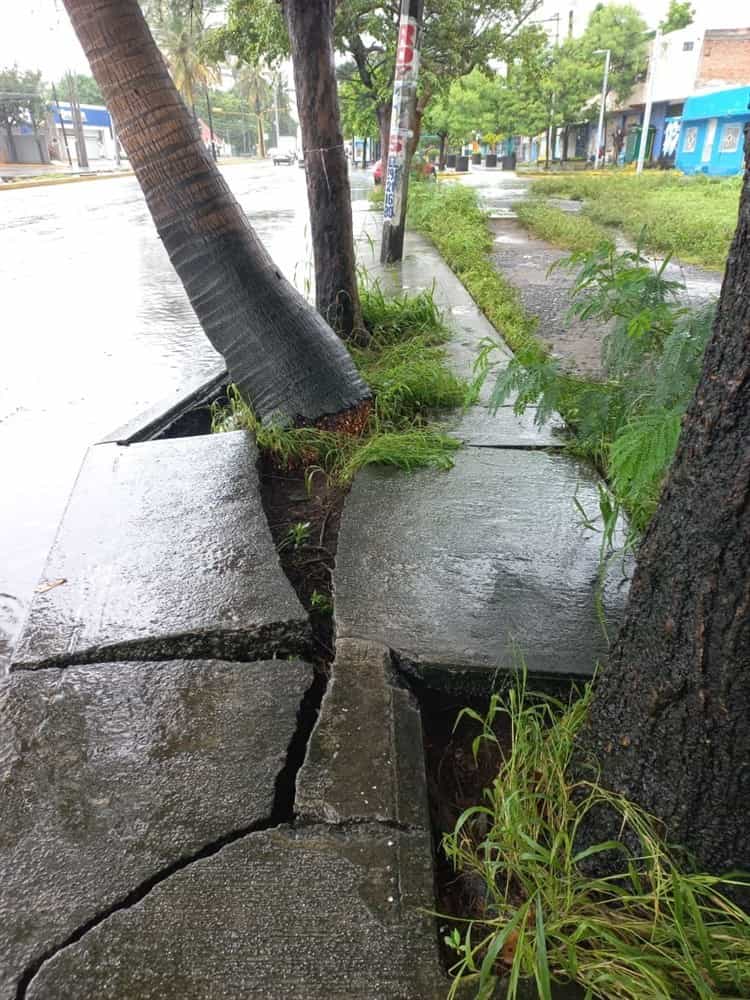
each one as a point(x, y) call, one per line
point(693, 218)
point(652, 931)
point(406, 368)
point(562, 229)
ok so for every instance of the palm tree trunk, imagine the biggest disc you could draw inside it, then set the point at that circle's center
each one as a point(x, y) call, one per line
point(284, 358)
point(310, 25)
point(261, 138)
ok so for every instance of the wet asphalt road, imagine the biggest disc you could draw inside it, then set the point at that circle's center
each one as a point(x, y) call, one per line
point(95, 328)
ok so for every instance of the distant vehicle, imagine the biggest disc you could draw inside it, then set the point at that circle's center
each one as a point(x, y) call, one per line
point(283, 158)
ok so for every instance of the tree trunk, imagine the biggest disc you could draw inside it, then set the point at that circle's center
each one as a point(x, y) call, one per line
point(310, 25)
point(441, 158)
point(384, 125)
point(284, 358)
point(670, 723)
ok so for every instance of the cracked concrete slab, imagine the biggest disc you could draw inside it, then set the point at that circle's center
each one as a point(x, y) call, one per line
point(163, 552)
point(467, 565)
point(365, 759)
point(107, 777)
point(311, 914)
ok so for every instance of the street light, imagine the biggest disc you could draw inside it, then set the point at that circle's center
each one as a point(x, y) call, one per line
point(649, 101)
point(600, 130)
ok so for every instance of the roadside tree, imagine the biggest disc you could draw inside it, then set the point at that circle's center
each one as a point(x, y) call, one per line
point(285, 359)
point(670, 722)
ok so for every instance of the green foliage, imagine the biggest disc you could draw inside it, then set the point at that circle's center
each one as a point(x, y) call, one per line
point(321, 603)
point(87, 87)
point(628, 423)
point(679, 15)
point(452, 218)
point(297, 536)
point(653, 930)
point(407, 370)
point(691, 217)
point(20, 101)
point(560, 228)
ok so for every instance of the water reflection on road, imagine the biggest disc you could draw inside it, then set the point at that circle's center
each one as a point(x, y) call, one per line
point(95, 328)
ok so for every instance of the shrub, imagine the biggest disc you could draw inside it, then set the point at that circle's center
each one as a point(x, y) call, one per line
point(652, 930)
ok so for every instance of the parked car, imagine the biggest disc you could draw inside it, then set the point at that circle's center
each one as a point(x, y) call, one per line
point(283, 158)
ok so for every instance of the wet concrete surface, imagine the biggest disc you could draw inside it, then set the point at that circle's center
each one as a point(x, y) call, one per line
point(97, 328)
point(309, 914)
point(164, 551)
point(109, 777)
point(365, 760)
point(472, 567)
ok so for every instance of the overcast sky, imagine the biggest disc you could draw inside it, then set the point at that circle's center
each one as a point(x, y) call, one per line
point(36, 34)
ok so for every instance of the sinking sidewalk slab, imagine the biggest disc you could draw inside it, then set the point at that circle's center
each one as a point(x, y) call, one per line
point(108, 778)
point(481, 427)
point(163, 552)
point(365, 759)
point(467, 565)
point(315, 914)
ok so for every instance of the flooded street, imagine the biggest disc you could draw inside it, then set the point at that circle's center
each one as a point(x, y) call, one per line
point(96, 327)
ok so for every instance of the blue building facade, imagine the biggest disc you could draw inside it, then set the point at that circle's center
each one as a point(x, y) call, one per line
point(711, 139)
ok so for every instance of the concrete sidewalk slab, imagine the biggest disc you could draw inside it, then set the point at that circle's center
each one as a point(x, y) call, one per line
point(163, 552)
point(109, 777)
point(313, 914)
point(468, 564)
point(365, 759)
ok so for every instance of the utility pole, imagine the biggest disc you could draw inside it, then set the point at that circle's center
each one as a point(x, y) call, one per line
point(649, 102)
point(62, 125)
point(550, 125)
point(115, 139)
point(605, 81)
point(276, 83)
point(403, 117)
point(210, 123)
point(83, 160)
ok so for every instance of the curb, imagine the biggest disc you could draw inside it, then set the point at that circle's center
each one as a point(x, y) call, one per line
point(53, 181)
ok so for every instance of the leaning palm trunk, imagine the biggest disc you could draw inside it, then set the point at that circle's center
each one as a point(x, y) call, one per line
point(285, 359)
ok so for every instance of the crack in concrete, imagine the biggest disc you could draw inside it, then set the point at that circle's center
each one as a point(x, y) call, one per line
point(270, 642)
point(282, 813)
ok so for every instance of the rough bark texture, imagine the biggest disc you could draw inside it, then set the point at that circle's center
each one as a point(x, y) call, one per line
point(670, 723)
point(310, 25)
point(283, 356)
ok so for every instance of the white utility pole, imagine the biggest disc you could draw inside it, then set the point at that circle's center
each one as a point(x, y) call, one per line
point(649, 101)
point(600, 131)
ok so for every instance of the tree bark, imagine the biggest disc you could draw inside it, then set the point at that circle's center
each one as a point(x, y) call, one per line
point(284, 358)
point(670, 722)
point(310, 25)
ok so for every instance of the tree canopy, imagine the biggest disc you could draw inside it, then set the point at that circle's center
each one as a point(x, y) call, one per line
point(20, 99)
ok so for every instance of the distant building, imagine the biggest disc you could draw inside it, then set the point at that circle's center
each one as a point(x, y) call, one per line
point(222, 147)
point(711, 139)
point(97, 130)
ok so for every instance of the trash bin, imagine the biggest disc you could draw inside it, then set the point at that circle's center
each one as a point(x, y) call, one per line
point(490, 160)
point(476, 159)
point(509, 162)
point(462, 164)
point(450, 161)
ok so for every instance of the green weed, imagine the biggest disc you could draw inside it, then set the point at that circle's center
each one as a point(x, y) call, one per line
point(629, 422)
point(652, 931)
point(296, 536)
point(452, 218)
point(693, 218)
point(407, 370)
point(570, 232)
